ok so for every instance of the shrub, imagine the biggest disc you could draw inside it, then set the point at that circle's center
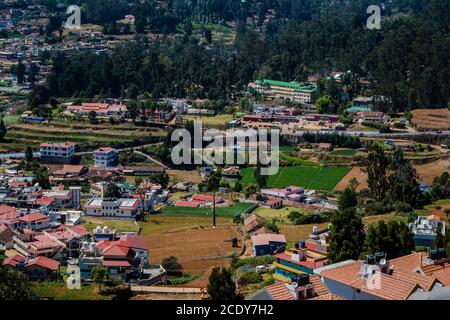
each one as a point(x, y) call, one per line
point(377, 207)
point(403, 207)
point(250, 277)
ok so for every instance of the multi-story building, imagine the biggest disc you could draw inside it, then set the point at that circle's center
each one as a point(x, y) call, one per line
point(58, 152)
point(305, 93)
point(113, 208)
point(425, 230)
point(105, 157)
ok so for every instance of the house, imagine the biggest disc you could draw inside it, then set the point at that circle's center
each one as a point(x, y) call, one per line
point(318, 240)
point(57, 152)
point(113, 208)
point(425, 229)
point(34, 221)
point(253, 222)
point(207, 198)
point(264, 244)
point(231, 172)
point(304, 287)
point(291, 193)
point(39, 268)
point(376, 278)
point(297, 261)
point(369, 116)
point(9, 216)
point(104, 233)
point(105, 158)
point(273, 203)
point(29, 244)
point(325, 147)
point(6, 236)
point(64, 199)
point(305, 93)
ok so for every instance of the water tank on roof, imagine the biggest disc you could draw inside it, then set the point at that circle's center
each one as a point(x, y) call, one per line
point(302, 244)
point(92, 246)
point(315, 230)
point(379, 256)
point(105, 229)
point(370, 259)
point(85, 245)
point(98, 229)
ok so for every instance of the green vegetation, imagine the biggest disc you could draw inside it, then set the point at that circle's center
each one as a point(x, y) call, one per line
point(324, 178)
point(59, 291)
point(229, 211)
point(344, 152)
point(294, 161)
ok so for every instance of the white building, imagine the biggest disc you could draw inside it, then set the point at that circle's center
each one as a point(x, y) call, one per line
point(105, 158)
point(57, 152)
point(65, 198)
point(114, 208)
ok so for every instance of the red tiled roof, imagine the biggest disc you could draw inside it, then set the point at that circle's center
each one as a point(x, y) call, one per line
point(33, 217)
point(44, 262)
point(389, 288)
point(8, 213)
point(115, 250)
point(206, 198)
point(433, 268)
point(425, 282)
point(13, 261)
point(80, 229)
point(410, 262)
point(443, 277)
point(278, 291)
point(264, 239)
point(133, 241)
point(192, 204)
point(116, 263)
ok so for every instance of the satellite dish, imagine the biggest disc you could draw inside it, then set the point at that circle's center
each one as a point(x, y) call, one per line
point(383, 262)
point(294, 284)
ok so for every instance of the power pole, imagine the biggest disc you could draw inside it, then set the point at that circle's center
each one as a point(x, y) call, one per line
point(214, 207)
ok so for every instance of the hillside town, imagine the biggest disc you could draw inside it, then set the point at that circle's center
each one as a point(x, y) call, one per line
point(95, 204)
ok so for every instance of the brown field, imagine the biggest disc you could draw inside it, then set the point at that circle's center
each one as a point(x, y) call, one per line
point(357, 173)
point(426, 173)
point(181, 176)
point(431, 119)
point(196, 250)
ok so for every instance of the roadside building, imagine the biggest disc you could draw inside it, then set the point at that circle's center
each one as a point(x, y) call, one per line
point(264, 244)
point(113, 208)
point(425, 230)
point(57, 152)
point(105, 158)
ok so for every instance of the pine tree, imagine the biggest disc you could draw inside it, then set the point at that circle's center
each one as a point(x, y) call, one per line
point(221, 285)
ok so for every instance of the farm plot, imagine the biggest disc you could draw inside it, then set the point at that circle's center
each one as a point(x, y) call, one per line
point(311, 178)
point(229, 211)
point(196, 250)
point(431, 119)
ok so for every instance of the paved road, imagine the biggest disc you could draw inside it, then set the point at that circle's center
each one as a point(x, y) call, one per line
point(376, 133)
point(150, 158)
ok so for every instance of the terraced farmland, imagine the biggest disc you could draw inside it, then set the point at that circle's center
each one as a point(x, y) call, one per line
point(87, 137)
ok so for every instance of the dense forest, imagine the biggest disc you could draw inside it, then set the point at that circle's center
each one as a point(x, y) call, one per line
point(406, 60)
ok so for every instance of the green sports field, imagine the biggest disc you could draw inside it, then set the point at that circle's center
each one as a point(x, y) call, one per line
point(324, 178)
point(230, 211)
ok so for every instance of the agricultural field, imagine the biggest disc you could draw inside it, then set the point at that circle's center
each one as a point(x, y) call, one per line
point(88, 137)
point(301, 232)
point(324, 178)
point(161, 223)
point(120, 225)
point(343, 152)
point(196, 250)
point(229, 211)
point(431, 119)
point(220, 120)
point(279, 214)
point(426, 173)
point(183, 175)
